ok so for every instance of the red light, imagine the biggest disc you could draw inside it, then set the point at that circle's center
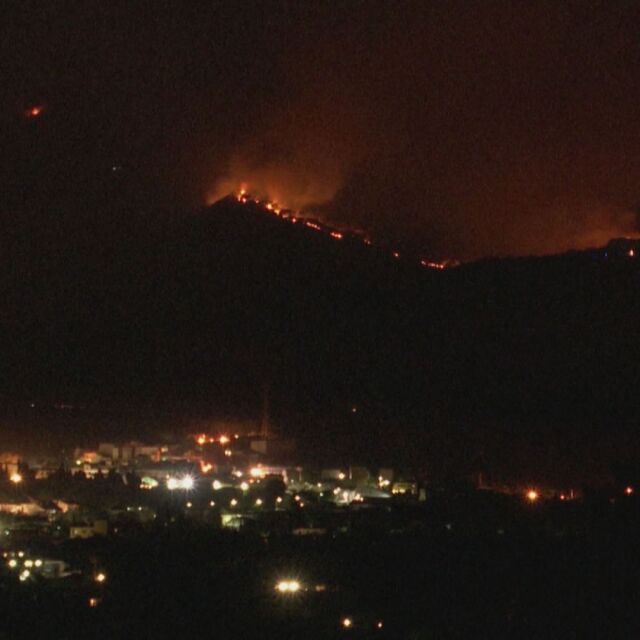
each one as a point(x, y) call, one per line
point(34, 112)
point(628, 490)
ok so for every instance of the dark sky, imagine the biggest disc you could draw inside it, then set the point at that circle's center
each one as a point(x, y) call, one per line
point(471, 128)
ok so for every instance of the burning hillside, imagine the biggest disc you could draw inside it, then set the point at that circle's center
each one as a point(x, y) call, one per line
point(335, 232)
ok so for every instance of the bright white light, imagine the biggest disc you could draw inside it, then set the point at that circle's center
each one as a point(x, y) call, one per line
point(217, 485)
point(28, 563)
point(186, 483)
point(288, 586)
point(347, 622)
point(38, 563)
point(24, 575)
point(16, 478)
point(244, 486)
point(233, 502)
point(13, 563)
point(101, 577)
point(212, 503)
point(257, 472)
point(258, 502)
point(278, 499)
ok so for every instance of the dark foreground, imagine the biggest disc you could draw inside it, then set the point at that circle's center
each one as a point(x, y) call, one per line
point(563, 571)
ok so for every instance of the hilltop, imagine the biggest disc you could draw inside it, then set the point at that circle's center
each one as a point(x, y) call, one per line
point(195, 313)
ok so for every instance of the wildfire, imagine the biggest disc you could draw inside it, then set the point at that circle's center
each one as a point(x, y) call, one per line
point(294, 217)
point(433, 265)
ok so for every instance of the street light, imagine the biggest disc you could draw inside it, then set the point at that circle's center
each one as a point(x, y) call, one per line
point(288, 586)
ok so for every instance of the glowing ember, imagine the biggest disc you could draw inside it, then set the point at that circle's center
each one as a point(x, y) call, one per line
point(34, 112)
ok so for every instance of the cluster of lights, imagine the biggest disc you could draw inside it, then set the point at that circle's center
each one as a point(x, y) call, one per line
point(203, 439)
point(27, 566)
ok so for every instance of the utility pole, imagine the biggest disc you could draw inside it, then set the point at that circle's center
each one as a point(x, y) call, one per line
point(264, 424)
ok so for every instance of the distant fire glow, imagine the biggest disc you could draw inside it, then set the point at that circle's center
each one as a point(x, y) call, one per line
point(34, 111)
point(269, 206)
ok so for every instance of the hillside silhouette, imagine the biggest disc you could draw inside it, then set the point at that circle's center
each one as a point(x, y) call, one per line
point(201, 310)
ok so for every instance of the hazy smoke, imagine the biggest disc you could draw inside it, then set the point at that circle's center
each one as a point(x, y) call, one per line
point(471, 128)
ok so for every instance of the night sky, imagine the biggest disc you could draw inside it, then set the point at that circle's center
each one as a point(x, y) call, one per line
point(471, 128)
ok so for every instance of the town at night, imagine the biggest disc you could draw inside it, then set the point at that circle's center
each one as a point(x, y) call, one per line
point(320, 320)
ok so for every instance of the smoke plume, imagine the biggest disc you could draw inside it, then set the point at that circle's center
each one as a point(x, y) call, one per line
point(470, 128)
